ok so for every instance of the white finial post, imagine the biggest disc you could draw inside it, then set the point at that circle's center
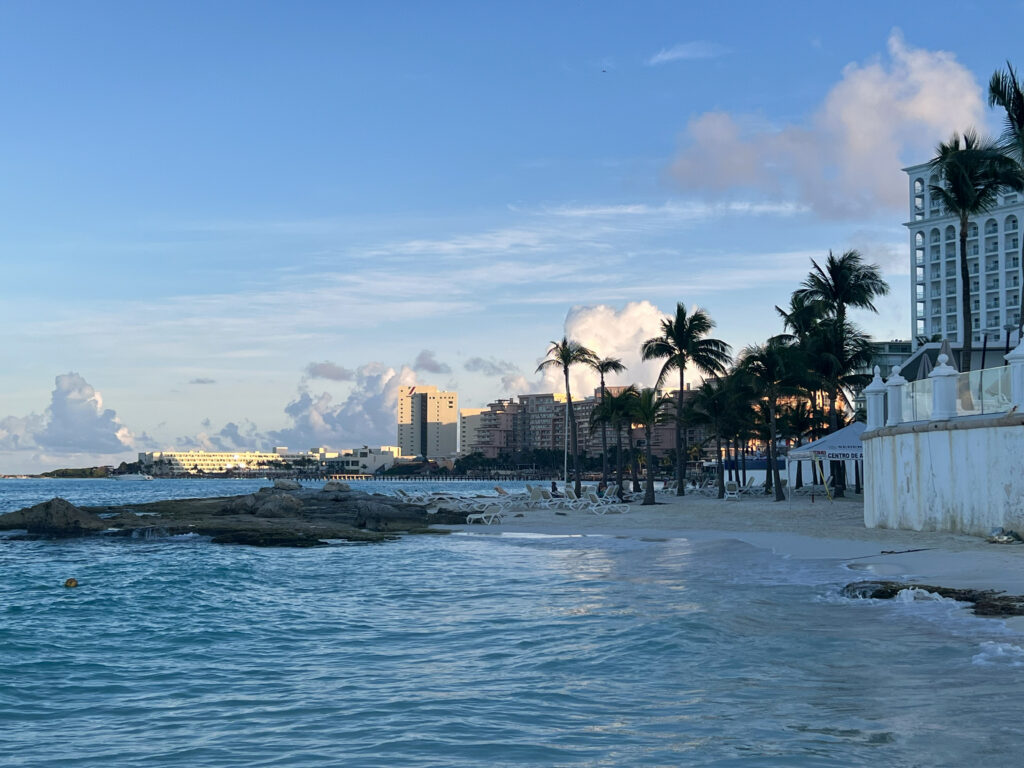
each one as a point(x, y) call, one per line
point(894, 384)
point(874, 393)
point(1016, 362)
point(943, 378)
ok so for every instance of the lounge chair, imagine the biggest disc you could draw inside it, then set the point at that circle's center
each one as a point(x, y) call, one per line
point(732, 490)
point(599, 506)
point(537, 500)
point(490, 514)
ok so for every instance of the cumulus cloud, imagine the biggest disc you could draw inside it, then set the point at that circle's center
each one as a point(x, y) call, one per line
point(328, 370)
point(697, 49)
point(846, 160)
point(74, 422)
point(202, 380)
point(426, 361)
point(368, 415)
point(609, 332)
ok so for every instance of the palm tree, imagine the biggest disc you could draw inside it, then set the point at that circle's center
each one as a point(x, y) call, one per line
point(1004, 90)
point(682, 342)
point(843, 282)
point(602, 366)
point(713, 404)
point(650, 408)
point(565, 354)
point(972, 174)
point(776, 369)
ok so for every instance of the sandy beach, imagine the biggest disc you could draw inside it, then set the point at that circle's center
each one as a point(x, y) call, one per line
point(800, 528)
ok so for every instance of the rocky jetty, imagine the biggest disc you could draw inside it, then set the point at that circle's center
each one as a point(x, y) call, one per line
point(274, 517)
point(986, 602)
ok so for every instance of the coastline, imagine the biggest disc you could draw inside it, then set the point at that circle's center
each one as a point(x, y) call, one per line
point(802, 529)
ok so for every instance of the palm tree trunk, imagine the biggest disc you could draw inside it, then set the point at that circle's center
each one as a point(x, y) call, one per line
point(966, 328)
point(634, 462)
point(618, 458)
point(649, 485)
point(780, 494)
point(572, 436)
point(743, 458)
point(604, 439)
point(721, 466)
point(680, 453)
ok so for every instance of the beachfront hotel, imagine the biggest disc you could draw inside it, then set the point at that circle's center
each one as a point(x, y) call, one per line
point(428, 422)
point(993, 263)
point(537, 421)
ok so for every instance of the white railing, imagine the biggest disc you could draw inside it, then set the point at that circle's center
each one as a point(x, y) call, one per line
point(946, 393)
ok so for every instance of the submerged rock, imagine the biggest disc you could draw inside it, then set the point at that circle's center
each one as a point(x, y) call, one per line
point(987, 602)
point(57, 518)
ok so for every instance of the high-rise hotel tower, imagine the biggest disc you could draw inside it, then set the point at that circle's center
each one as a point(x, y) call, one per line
point(428, 422)
point(993, 265)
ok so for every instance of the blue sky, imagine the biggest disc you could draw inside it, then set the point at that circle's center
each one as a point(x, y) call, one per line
point(239, 224)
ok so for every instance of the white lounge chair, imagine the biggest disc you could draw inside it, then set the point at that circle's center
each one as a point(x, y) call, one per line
point(600, 506)
point(732, 490)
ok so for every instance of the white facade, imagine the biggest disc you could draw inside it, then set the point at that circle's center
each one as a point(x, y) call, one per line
point(428, 422)
point(364, 460)
point(470, 426)
point(218, 462)
point(993, 261)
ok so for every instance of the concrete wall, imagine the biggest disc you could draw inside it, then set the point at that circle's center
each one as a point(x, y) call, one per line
point(960, 475)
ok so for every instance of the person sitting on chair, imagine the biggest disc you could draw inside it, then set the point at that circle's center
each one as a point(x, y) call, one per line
point(554, 490)
point(602, 487)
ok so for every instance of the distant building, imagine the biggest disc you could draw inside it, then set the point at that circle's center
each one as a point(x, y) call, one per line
point(181, 463)
point(470, 423)
point(993, 266)
point(498, 432)
point(428, 422)
point(364, 460)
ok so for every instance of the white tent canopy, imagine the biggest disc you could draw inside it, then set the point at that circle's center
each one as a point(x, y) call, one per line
point(843, 444)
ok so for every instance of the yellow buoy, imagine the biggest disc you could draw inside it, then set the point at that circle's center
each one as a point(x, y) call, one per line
point(71, 583)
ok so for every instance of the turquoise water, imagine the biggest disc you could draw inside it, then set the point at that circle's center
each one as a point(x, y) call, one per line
point(479, 650)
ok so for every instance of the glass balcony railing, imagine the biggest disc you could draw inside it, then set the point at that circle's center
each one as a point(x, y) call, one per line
point(978, 393)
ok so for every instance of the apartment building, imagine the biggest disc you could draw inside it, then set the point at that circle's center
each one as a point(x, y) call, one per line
point(428, 422)
point(993, 266)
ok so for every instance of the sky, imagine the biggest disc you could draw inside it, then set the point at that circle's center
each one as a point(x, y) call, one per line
point(236, 225)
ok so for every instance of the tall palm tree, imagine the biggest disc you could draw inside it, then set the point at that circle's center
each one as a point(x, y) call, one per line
point(843, 282)
point(650, 408)
point(776, 368)
point(1004, 90)
point(605, 365)
point(713, 404)
point(683, 342)
point(973, 171)
point(565, 354)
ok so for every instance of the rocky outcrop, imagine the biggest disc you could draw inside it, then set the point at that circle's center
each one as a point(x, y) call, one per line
point(288, 485)
point(57, 518)
point(272, 517)
point(335, 485)
point(986, 602)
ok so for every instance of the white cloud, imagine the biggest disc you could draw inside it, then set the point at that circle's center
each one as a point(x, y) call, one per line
point(697, 49)
point(74, 422)
point(368, 415)
point(608, 332)
point(881, 115)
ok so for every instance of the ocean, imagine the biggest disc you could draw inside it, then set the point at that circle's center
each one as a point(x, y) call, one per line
point(478, 650)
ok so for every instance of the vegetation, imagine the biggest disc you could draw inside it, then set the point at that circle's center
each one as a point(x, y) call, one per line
point(565, 354)
point(683, 341)
point(973, 171)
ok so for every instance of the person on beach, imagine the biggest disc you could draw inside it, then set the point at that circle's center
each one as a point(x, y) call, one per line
point(602, 487)
point(554, 490)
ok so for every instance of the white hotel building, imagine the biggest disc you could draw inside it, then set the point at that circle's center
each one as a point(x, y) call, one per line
point(993, 263)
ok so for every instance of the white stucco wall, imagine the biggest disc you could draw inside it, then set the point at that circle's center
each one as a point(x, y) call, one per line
point(961, 475)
